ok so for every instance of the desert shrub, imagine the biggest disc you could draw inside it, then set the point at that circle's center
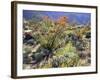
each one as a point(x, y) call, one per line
point(26, 49)
point(37, 57)
point(55, 62)
point(47, 64)
point(70, 57)
point(82, 62)
point(51, 36)
point(26, 52)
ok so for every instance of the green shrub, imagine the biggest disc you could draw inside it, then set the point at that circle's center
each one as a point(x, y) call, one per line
point(70, 57)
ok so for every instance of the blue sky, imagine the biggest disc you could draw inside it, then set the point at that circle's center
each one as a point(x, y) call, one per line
point(80, 18)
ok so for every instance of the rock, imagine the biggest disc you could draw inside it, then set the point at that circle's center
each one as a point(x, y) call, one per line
point(26, 59)
point(83, 54)
point(37, 57)
point(36, 48)
point(27, 37)
point(88, 35)
point(89, 60)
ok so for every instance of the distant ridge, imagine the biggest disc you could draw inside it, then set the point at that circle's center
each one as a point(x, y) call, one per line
point(79, 18)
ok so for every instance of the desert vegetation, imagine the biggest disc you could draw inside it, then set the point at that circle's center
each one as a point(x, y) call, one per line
point(49, 43)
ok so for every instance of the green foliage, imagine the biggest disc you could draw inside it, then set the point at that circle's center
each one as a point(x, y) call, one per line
point(26, 50)
point(47, 64)
point(51, 36)
point(68, 48)
point(69, 55)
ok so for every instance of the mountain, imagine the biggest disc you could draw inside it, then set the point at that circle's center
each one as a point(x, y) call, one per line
point(79, 18)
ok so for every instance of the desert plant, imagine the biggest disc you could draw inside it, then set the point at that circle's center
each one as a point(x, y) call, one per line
point(69, 55)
